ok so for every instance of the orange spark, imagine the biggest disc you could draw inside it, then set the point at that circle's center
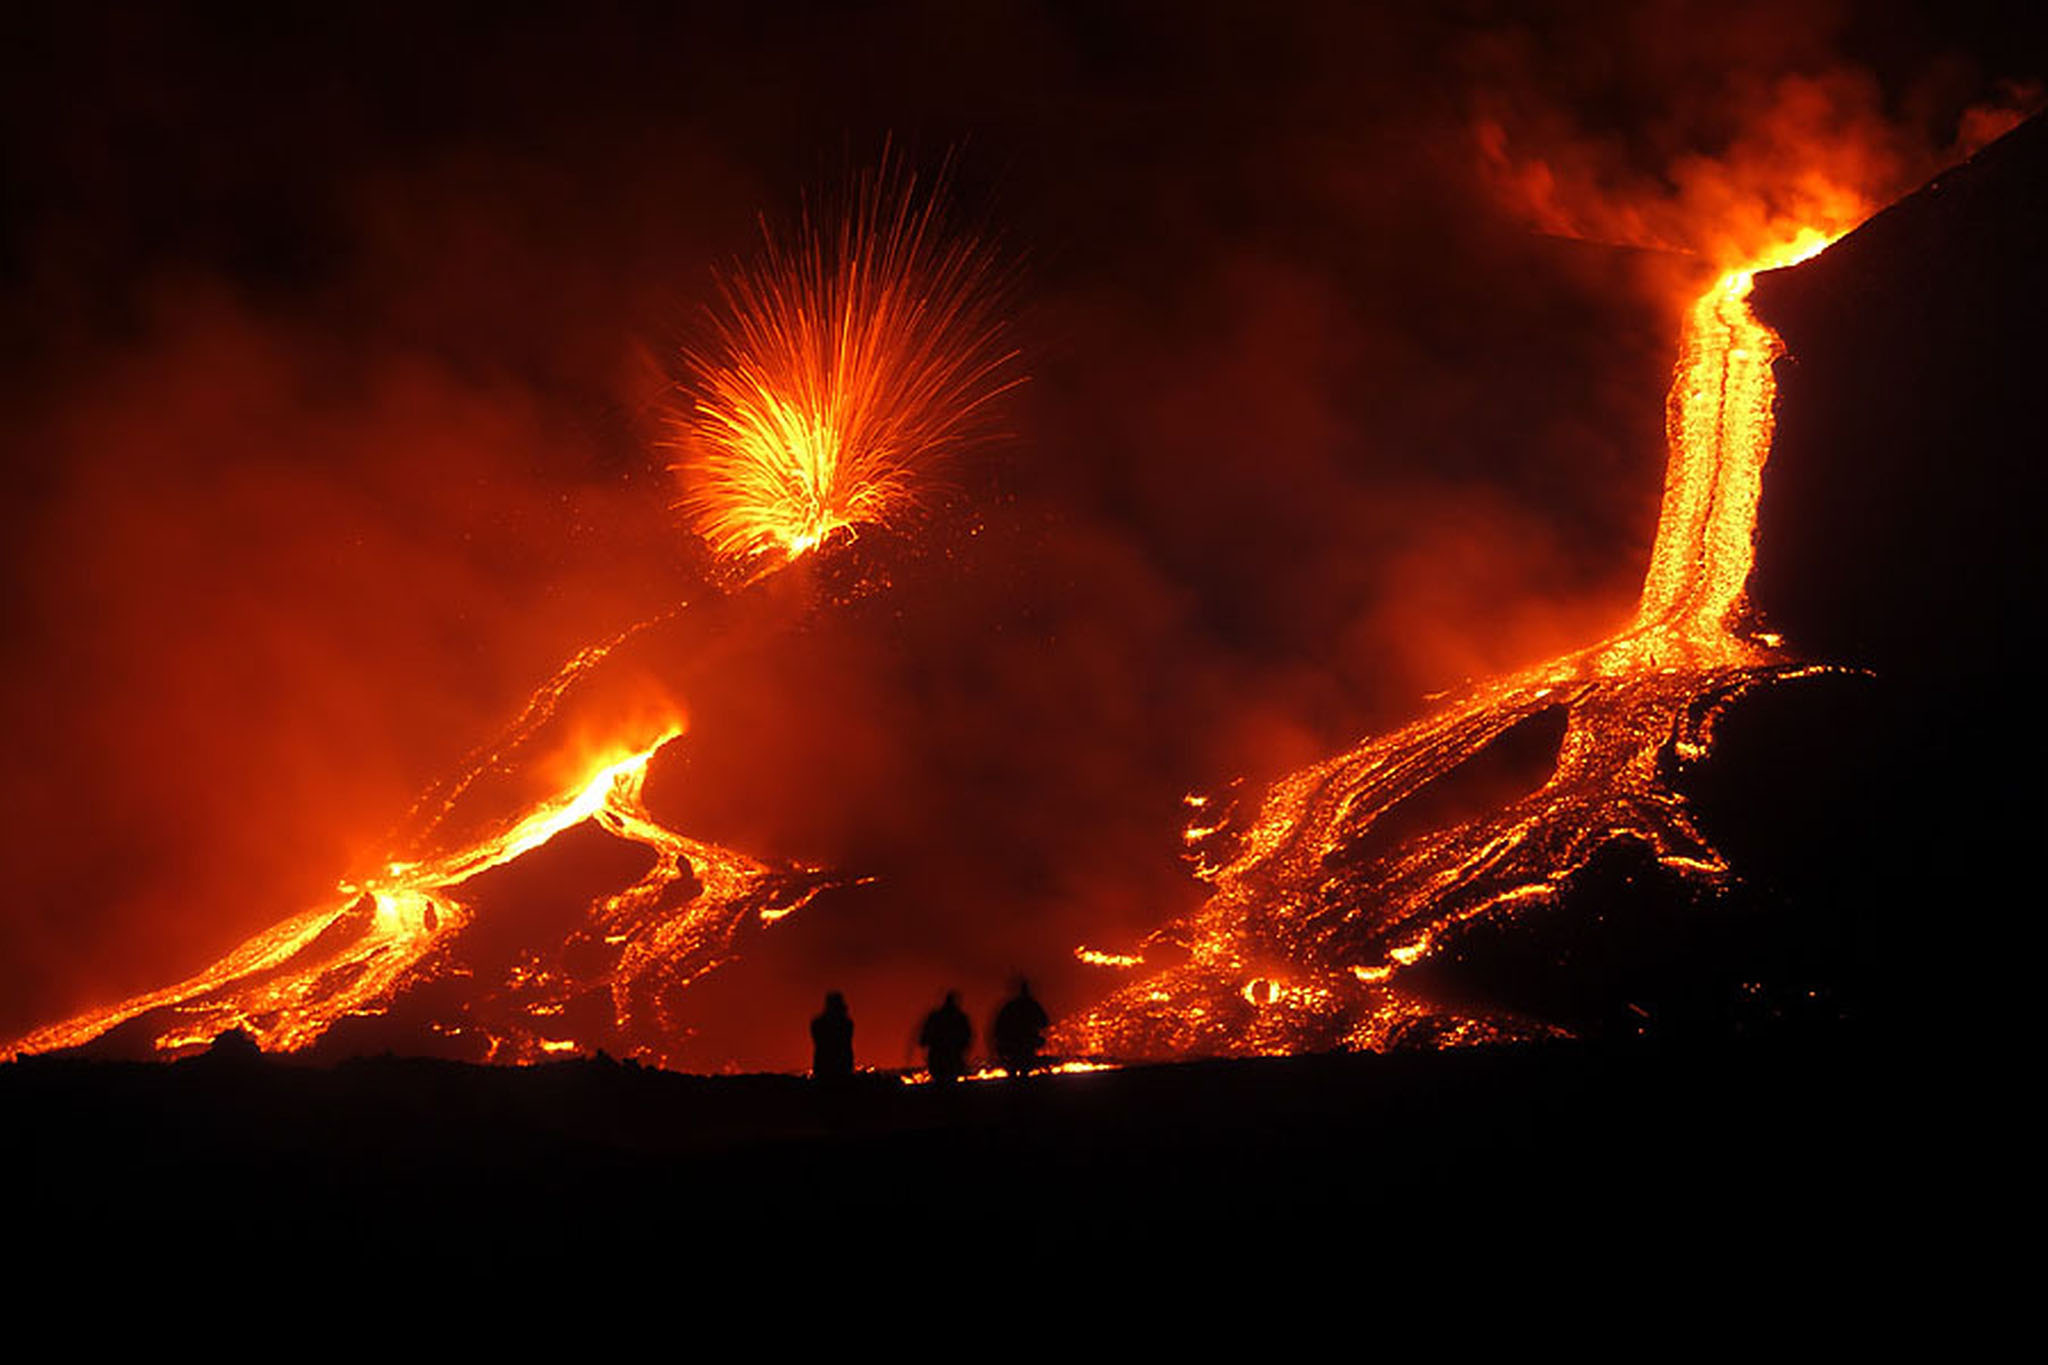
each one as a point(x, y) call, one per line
point(841, 369)
point(1095, 957)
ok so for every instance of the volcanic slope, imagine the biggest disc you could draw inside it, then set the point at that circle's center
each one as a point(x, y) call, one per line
point(538, 907)
point(1902, 538)
point(1367, 903)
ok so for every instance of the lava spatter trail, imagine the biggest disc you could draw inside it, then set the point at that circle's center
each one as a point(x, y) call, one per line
point(1310, 926)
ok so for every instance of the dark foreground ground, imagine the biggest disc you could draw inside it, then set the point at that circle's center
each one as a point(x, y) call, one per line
point(1819, 1148)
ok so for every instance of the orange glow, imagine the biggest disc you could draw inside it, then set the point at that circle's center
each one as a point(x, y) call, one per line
point(1811, 157)
point(404, 925)
point(840, 371)
point(1289, 891)
point(996, 1073)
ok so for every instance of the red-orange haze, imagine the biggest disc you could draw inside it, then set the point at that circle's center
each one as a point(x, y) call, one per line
point(1317, 921)
point(340, 391)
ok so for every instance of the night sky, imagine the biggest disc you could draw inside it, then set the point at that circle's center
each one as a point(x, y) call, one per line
point(342, 345)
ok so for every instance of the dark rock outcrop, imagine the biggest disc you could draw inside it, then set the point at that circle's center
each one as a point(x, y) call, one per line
point(1901, 533)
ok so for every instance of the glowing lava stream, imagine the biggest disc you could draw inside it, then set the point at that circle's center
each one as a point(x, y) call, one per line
point(1303, 940)
point(405, 928)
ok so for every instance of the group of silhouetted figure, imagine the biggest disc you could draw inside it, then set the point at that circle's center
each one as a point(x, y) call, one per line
point(1017, 1035)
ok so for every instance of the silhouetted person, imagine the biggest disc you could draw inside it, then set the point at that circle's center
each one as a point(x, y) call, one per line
point(236, 1047)
point(832, 1041)
point(1020, 1031)
point(944, 1038)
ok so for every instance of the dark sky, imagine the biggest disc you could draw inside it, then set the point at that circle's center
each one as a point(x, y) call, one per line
point(339, 342)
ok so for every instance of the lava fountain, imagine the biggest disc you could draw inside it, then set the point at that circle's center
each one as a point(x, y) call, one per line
point(838, 373)
point(1316, 914)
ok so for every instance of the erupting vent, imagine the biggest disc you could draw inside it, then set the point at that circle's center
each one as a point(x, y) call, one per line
point(840, 371)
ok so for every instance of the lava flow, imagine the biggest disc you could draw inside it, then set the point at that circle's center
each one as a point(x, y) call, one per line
point(396, 935)
point(1317, 912)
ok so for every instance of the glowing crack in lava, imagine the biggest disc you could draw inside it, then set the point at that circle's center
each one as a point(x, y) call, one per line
point(401, 933)
point(1312, 922)
point(838, 373)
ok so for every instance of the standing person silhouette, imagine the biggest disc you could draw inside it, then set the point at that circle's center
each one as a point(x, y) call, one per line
point(832, 1041)
point(945, 1038)
point(1019, 1032)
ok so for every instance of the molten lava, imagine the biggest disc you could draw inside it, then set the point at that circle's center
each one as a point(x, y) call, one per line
point(1312, 922)
point(390, 936)
point(838, 373)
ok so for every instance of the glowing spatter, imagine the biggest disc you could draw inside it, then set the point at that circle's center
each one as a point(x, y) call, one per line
point(841, 370)
point(1303, 942)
